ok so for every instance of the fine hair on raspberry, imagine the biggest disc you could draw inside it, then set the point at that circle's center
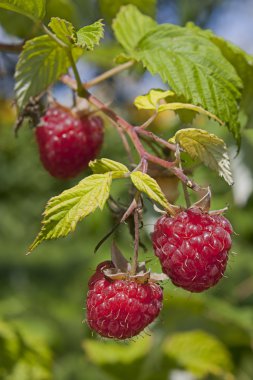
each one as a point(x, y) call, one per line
point(193, 248)
point(121, 309)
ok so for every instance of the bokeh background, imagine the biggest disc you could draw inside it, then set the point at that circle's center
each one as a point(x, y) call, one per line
point(42, 296)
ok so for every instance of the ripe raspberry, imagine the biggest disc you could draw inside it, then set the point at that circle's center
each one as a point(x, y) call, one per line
point(121, 309)
point(193, 248)
point(68, 142)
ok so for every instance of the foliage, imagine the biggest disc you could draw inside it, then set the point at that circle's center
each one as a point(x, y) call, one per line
point(207, 336)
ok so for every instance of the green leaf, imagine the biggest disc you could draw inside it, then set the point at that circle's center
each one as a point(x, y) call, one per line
point(90, 35)
point(40, 64)
point(104, 165)
point(206, 147)
point(190, 63)
point(33, 9)
point(146, 184)
point(109, 8)
point(151, 102)
point(101, 353)
point(64, 30)
point(130, 26)
point(64, 211)
point(242, 62)
point(199, 352)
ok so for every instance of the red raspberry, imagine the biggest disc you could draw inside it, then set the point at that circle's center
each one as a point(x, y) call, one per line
point(121, 309)
point(68, 142)
point(193, 248)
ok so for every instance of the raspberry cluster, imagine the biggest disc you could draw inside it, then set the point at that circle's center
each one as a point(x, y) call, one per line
point(68, 142)
point(121, 309)
point(193, 248)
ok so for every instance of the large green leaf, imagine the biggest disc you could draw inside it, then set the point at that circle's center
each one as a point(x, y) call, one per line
point(110, 8)
point(89, 36)
point(130, 26)
point(64, 211)
point(191, 64)
point(33, 9)
point(40, 64)
point(200, 353)
point(242, 62)
point(206, 147)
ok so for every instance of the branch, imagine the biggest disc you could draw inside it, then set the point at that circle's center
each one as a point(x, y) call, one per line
point(108, 74)
point(133, 134)
point(11, 48)
point(152, 136)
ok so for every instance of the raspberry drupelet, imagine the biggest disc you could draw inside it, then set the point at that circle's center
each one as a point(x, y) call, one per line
point(121, 309)
point(67, 142)
point(193, 248)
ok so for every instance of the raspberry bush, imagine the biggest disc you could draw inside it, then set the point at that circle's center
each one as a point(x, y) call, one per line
point(206, 76)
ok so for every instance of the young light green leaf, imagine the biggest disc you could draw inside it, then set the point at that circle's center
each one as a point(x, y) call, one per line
point(89, 36)
point(64, 211)
point(33, 9)
point(190, 63)
point(206, 147)
point(64, 30)
point(130, 26)
point(207, 355)
point(104, 165)
point(40, 64)
point(151, 102)
point(148, 185)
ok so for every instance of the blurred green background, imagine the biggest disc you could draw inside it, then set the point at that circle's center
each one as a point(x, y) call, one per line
point(43, 334)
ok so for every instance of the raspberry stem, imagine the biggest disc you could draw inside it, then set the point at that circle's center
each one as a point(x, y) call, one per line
point(133, 132)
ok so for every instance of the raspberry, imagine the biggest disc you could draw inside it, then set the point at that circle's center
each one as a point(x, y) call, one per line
point(68, 142)
point(121, 309)
point(193, 248)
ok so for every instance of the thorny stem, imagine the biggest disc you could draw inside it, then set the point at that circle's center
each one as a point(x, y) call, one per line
point(125, 144)
point(155, 138)
point(133, 134)
point(108, 74)
point(148, 122)
point(185, 190)
point(136, 241)
point(11, 48)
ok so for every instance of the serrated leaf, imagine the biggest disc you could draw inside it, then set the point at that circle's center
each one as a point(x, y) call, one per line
point(199, 352)
point(151, 102)
point(104, 165)
point(191, 64)
point(64, 30)
point(64, 211)
point(110, 8)
point(242, 62)
point(130, 26)
point(206, 147)
point(148, 185)
point(89, 36)
point(40, 64)
point(33, 9)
